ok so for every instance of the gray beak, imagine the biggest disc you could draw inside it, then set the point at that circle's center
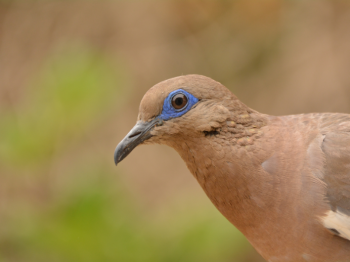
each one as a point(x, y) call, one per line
point(139, 133)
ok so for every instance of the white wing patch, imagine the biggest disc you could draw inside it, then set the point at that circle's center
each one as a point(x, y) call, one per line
point(338, 223)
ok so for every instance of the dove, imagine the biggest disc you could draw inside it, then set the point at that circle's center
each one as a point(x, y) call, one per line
point(283, 181)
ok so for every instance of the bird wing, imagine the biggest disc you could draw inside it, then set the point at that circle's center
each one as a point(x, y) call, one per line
point(335, 131)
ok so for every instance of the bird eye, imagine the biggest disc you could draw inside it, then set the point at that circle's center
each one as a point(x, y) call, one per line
point(179, 101)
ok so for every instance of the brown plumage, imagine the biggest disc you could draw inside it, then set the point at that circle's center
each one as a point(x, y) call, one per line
point(284, 182)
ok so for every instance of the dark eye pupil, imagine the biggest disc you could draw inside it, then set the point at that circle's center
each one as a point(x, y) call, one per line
point(179, 101)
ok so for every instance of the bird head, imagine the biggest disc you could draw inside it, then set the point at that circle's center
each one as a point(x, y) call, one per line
point(179, 109)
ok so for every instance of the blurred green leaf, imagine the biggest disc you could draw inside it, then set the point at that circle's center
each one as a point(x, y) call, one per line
point(75, 87)
point(98, 222)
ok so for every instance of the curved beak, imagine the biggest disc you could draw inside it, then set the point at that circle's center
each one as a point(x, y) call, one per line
point(139, 133)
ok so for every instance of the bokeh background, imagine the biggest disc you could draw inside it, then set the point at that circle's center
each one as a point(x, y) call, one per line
point(72, 74)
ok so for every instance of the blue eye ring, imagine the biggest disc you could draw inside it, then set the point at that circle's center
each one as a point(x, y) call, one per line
point(170, 112)
point(171, 100)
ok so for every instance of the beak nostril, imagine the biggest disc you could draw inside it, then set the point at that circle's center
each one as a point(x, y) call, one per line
point(135, 134)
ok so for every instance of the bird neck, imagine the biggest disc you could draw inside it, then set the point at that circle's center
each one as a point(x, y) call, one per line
point(227, 164)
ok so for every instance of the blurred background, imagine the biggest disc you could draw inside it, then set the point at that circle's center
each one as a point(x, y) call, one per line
point(72, 74)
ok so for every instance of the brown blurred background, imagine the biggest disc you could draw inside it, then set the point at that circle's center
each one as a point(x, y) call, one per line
point(72, 74)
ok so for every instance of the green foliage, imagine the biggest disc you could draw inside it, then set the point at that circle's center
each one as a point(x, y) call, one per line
point(71, 93)
point(98, 222)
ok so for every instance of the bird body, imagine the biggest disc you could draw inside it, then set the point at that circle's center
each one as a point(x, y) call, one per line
point(284, 181)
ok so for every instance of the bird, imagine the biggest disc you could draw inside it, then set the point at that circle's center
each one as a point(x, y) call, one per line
point(283, 181)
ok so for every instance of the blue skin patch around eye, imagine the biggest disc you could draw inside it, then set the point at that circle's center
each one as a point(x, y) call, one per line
point(170, 112)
